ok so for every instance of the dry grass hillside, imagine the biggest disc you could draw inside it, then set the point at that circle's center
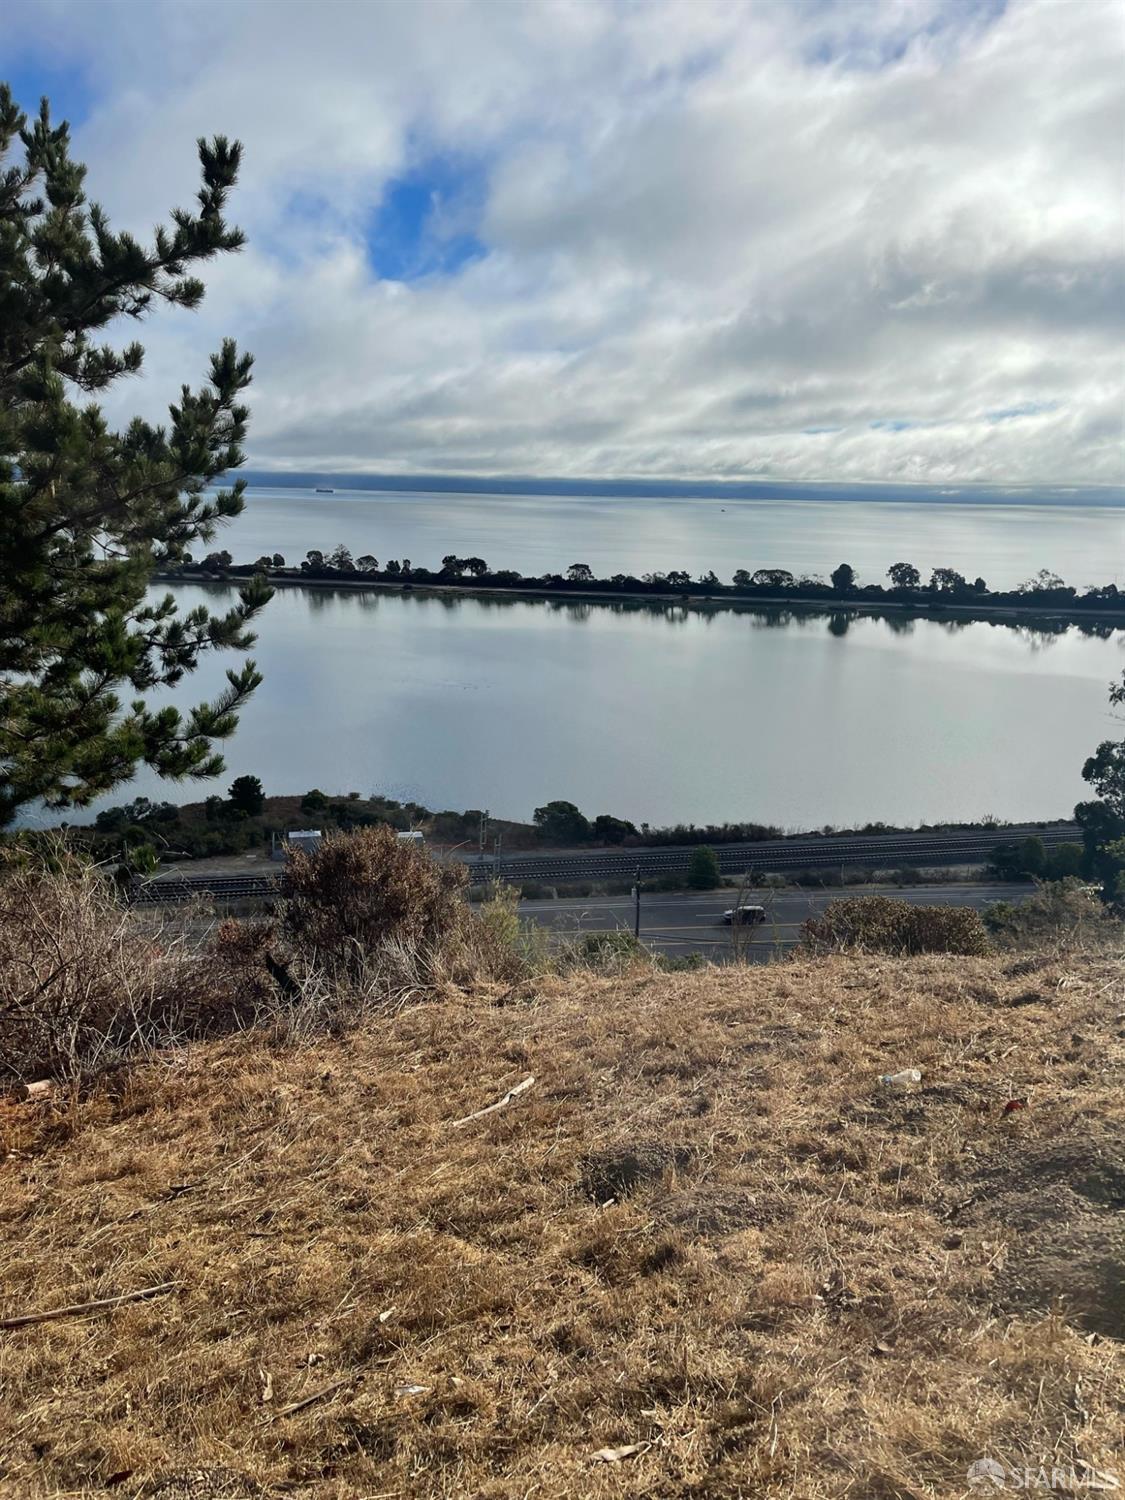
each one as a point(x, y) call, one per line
point(703, 1254)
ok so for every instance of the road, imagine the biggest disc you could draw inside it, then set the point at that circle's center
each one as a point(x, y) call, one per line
point(689, 921)
point(894, 851)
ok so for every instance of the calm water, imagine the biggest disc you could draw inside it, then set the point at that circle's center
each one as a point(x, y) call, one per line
point(661, 713)
point(537, 534)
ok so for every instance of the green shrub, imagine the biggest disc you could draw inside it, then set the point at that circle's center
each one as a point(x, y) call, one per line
point(607, 950)
point(703, 870)
point(880, 924)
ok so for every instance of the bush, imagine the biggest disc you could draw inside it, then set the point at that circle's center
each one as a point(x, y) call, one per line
point(880, 924)
point(81, 988)
point(703, 870)
point(359, 891)
point(1061, 913)
point(607, 951)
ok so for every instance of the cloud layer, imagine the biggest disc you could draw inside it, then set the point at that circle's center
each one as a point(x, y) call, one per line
point(823, 241)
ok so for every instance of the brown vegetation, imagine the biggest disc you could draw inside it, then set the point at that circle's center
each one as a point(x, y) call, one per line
point(704, 1254)
point(882, 924)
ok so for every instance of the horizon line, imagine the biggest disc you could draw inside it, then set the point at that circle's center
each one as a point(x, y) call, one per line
point(1103, 495)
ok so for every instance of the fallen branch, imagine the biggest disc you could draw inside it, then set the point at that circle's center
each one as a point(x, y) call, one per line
point(328, 1390)
point(76, 1308)
point(513, 1093)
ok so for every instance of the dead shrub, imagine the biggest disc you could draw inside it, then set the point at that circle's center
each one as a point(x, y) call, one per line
point(1061, 914)
point(361, 890)
point(79, 986)
point(880, 924)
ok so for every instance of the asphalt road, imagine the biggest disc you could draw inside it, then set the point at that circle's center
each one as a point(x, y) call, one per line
point(690, 922)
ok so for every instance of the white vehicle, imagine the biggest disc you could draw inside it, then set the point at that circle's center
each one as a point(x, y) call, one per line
point(743, 915)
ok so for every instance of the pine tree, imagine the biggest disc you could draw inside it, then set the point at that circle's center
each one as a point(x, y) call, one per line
point(87, 513)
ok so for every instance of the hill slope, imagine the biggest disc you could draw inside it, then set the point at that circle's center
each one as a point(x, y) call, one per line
point(704, 1230)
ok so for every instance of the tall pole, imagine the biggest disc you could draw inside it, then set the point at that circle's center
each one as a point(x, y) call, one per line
point(637, 904)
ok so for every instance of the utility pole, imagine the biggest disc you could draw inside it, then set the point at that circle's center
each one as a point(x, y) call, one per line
point(498, 847)
point(637, 903)
point(483, 831)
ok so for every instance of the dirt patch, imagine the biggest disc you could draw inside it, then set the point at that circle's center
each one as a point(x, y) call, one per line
point(204, 1484)
point(710, 1213)
point(620, 1170)
point(1062, 1202)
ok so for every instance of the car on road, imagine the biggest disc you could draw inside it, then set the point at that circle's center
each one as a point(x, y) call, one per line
point(741, 916)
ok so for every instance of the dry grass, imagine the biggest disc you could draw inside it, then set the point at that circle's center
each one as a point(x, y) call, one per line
point(804, 1285)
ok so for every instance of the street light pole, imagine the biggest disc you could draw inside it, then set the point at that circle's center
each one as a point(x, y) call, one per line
point(637, 904)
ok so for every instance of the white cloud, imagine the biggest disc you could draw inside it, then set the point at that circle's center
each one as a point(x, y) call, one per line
point(720, 240)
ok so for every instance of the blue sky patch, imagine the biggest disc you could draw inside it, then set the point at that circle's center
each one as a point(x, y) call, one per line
point(425, 224)
point(32, 75)
point(1026, 409)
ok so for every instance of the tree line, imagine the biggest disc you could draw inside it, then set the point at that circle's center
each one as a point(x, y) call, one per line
point(905, 583)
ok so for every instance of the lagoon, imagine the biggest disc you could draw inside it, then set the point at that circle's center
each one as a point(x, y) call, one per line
point(662, 713)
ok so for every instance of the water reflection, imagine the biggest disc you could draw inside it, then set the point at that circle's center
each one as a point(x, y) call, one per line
point(1036, 632)
point(636, 707)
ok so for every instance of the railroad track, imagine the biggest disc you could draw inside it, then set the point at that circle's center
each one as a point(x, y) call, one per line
point(768, 856)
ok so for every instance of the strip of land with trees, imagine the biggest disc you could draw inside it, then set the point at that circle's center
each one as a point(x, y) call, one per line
point(904, 589)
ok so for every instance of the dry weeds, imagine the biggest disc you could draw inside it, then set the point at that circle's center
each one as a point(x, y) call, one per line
point(803, 1285)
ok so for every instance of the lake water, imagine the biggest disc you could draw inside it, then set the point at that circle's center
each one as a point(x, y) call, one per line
point(661, 713)
point(536, 534)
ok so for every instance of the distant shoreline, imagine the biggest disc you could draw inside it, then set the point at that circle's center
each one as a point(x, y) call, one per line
point(779, 491)
point(1000, 612)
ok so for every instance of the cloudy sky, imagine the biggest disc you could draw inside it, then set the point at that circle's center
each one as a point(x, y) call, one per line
point(872, 240)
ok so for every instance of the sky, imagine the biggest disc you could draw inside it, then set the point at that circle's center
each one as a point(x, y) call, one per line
point(872, 241)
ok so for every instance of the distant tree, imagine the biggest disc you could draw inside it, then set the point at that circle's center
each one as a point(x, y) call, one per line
point(314, 801)
point(406, 568)
point(314, 559)
point(709, 580)
point(979, 585)
point(678, 579)
point(393, 568)
point(612, 830)
point(773, 578)
point(561, 823)
point(453, 565)
point(1064, 861)
point(476, 567)
point(703, 869)
point(741, 578)
point(88, 513)
point(948, 581)
point(278, 560)
point(1044, 582)
point(340, 558)
point(246, 795)
point(904, 575)
point(263, 564)
point(843, 578)
point(507, 576)
point(367, 563)
point(215, 809)
point(580, 573)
